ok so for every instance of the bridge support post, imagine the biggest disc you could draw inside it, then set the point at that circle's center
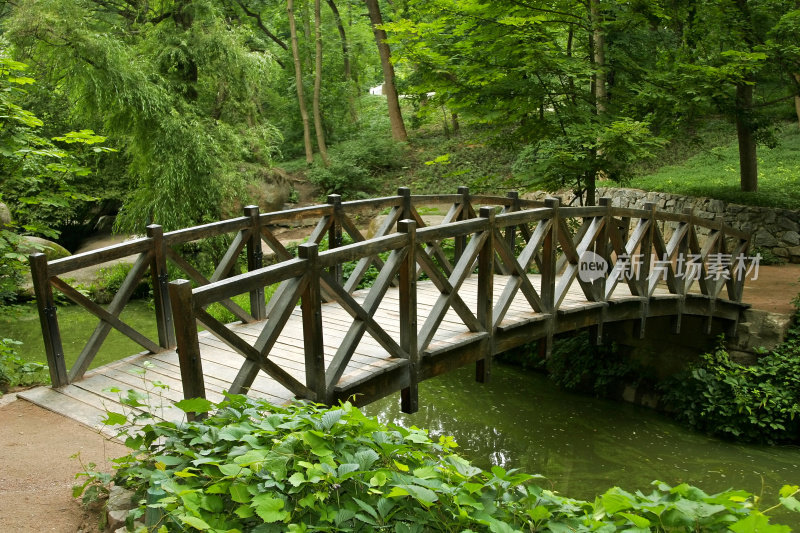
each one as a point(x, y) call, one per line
point(255, 260)
point(48, 320)
point(483, 367)
point(311, 306)
point(180, 293)
point(159, 277)
point(549, 274)
point(409, 397)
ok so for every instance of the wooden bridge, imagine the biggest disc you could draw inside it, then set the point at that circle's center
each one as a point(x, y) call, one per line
point(497, 273)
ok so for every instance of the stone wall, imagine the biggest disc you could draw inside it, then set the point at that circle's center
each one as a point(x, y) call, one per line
point(777, 230)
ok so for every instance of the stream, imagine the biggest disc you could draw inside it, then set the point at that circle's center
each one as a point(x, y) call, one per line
point(582, 445)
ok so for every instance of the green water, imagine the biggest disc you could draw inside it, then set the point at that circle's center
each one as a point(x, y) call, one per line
point(584, 445)
point(76, 326)
point(520, 420)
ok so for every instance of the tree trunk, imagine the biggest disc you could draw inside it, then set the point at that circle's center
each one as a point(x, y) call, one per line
point(298, 74)
point(748, 164)
point(797, 98)
point(389, 89)
point(348, 70)
point(598, 41)
point(323, 149)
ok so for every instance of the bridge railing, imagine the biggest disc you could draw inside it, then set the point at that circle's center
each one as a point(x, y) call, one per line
point(525, 236)
point(550, 241)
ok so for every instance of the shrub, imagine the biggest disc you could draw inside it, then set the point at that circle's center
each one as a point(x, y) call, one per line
point(355, 166)
point(252, 466)
point(16, 372)
point(752, 403)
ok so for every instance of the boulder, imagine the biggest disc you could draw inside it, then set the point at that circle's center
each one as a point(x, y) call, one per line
point(765, 239)
point(791, 238)
point(30, 245)
point(5, 215)
point(269, 189)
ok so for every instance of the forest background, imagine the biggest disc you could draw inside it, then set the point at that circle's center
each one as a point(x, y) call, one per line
point(172, 111)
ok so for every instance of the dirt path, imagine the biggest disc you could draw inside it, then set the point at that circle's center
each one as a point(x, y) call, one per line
point(37, 474)
point(774, 289)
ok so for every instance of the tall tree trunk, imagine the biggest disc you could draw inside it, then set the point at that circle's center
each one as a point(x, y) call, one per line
point(389, 88)
point(748, 164)
point(598, 41)
point(298, 74)
point(797, 98)
point(599, 45)
point(348, 69)
point(323, 149)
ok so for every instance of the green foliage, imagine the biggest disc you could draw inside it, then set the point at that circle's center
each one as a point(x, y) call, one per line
point(578, 364)
point(16, 372)
point(355, 166)
point(176, 85)
point(750, 403)
point(37, 177)
point(253, 466)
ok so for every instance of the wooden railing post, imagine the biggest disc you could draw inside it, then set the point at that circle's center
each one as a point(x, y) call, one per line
point(461, 241)
point(644, 269)
point(311, 306)
point(511, 231)
point(646, 251)
point(180, 294)
point(335, 234)
point(603, 246)
point(483, 367)
point(48, 320)
point(255, 260)
point(549, 274)
point(405, 195)
point(409, 397)
point(160, 279)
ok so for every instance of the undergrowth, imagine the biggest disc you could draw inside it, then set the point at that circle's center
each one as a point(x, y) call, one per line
point(252, 466)
point(15, 371)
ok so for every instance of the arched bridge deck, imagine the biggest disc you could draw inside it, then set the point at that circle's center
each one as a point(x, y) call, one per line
point(497, 273)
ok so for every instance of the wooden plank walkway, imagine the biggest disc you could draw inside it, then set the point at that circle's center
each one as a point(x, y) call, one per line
point(158, 375)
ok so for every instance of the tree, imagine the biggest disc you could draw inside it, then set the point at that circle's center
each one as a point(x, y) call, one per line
point(173, 82)
point(323, 149)
point(389, 87)
point(298, 75)
point(37, 176)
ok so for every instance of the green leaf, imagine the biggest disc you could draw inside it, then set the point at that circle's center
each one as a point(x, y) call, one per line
point(195, 522)
point(638, 521)
point(115, 419)
point(788, 490)
point(239, 493)
point(269, 509)
point(791, 504)
point(195, 405)
point(756, 522)
point(297, 479)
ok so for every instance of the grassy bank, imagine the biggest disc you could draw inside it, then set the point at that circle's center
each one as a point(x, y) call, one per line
point(714, 172)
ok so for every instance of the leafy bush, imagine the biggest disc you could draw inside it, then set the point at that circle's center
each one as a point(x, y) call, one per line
point(355, 166)
point(753, 403)
point(16, 372)
point(110, 280)
point(252, 466)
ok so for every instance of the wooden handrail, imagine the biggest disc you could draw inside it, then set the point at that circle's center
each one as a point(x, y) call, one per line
point(522, 235)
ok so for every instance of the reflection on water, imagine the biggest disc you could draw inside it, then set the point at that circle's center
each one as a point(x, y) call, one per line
point(581, 444)
point(76, 326)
